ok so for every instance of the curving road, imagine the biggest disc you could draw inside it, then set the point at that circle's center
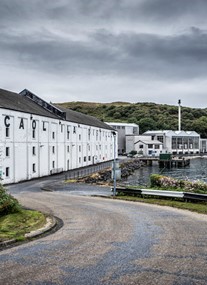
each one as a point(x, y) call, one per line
point(107, 241)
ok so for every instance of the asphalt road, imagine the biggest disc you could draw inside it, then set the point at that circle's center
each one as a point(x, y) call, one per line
point(106, 241)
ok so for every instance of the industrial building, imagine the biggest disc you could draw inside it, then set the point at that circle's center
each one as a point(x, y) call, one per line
point(166, 141)
point(39, 139)
point(123, 130)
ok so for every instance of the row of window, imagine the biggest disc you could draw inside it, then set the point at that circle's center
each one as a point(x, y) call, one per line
point(150, 146)
point(7, 169)
point(7, 152)
point(7, 133)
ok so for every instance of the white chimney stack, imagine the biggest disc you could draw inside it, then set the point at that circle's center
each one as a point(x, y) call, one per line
point(179, 115)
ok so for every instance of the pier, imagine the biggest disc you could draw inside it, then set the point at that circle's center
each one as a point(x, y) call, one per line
point(174, 162)
point(166, 161)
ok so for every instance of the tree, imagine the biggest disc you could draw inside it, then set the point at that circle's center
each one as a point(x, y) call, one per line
point(147, 124)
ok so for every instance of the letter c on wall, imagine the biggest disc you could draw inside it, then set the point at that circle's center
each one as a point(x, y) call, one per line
point(6, 123)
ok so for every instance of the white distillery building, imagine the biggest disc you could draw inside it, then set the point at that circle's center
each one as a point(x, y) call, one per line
point(38, 139)
point(177, 142)
point(123, 130)
point(166, 141)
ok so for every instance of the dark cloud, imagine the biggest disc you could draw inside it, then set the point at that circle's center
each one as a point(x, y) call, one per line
point(173, 9)
point(178, 56)
point(161, 40)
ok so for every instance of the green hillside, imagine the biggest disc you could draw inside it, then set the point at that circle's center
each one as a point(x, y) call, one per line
point(149, 116)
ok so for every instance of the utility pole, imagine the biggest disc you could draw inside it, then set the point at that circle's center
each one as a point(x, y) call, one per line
point(114, 164)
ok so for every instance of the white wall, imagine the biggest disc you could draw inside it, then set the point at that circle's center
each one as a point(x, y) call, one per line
point(57, 146)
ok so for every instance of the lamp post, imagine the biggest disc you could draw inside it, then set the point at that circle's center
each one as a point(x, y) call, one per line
point(114, 164)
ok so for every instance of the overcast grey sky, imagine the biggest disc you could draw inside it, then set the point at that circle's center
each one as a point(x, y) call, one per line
point(106, 50)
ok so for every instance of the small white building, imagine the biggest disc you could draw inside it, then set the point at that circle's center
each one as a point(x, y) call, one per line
point(144, 145)
point(124, 129)
point(38, 139)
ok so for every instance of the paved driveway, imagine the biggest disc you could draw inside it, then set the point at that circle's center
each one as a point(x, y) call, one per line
point(107, 241)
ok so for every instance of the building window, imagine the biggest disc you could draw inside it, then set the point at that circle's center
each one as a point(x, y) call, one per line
point(33, 134)
point(141, 146)
point(74, 130)
point(7, 151)
point(68, 148)
point(150, 145)
point(53, 135)
point(79, 159)
point(33, 167)
point(53, 149)
point(53, 164)
point(89, 158)
point(68, 135)
point(79, 137)
point(157, 146)
point(79, 148)
point(84, 159)
point(7, 132)
point(160, 138)
point(7, 171)
point(33, 150)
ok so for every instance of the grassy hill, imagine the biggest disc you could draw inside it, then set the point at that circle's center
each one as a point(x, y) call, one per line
point(149, 116)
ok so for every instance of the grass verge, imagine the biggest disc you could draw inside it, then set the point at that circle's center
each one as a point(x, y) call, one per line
point(16, 225)
point(194, 207)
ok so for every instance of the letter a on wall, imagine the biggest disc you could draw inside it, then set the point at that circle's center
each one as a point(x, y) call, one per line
point(21, 125)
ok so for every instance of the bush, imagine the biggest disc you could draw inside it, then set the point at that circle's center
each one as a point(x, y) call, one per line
point(8, 204)
point(165, 182)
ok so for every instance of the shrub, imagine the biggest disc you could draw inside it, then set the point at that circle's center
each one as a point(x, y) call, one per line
point(155, 180)
point(8, 204)
point(164, 182)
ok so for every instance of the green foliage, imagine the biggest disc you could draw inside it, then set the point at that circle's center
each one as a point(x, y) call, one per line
point(168, 183)
point(149, 116)
point(155, 180)
point(133, 152)
point(16, 225)
point(8, 204)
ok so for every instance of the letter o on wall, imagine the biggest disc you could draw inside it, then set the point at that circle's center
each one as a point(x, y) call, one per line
point(34, 124)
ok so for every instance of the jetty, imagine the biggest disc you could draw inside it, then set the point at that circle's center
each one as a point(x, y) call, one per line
point(166, 161)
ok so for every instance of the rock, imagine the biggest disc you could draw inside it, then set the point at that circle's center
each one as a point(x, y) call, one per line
point(104, 176)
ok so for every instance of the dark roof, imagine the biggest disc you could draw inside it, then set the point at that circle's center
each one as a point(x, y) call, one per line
point(81, 118)
point(18, 102)
point(14, 101)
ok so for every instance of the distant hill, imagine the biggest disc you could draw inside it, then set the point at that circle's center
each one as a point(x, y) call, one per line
point(149, 116)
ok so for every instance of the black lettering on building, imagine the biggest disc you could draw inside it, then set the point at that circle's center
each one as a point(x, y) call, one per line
point(44, 128)
point(21, 125)
point(6, 123)
point(34, 124)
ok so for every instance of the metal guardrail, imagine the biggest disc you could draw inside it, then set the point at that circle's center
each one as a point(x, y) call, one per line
point(162, 193)
point(173, 194)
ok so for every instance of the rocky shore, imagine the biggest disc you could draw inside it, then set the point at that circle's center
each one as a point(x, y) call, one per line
point(104, 176)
